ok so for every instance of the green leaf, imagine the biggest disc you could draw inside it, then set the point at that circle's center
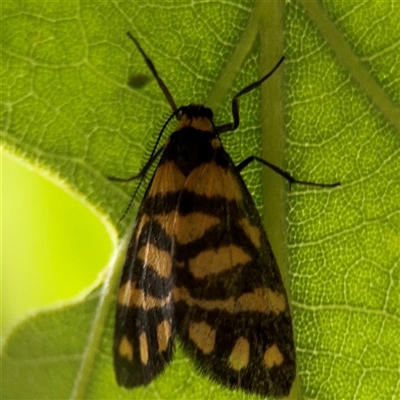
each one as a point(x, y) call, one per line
point(67, 109)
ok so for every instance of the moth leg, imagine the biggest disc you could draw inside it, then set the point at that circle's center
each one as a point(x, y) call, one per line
point(282, 173)
point(231, 126)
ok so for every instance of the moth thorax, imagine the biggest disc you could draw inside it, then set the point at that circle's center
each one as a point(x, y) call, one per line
point(190, 147)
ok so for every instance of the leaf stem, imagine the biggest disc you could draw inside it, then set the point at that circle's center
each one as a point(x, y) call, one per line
point(107, 297)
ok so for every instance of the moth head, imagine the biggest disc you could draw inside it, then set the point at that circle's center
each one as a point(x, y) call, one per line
point(196, 116)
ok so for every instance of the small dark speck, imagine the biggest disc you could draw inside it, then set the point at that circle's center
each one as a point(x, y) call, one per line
point(137, 81)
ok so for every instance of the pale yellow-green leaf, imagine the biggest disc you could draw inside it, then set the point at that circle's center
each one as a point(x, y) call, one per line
point(334, 115)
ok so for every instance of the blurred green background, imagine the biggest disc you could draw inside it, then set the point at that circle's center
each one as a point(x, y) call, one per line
point(53, 246)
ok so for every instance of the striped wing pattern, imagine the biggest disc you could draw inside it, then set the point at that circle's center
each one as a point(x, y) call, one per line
point(200, 265)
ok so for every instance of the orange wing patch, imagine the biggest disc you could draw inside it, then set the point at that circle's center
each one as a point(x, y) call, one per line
point(193, 226)
point(130, 296)
point(167, 179)
point(186, 228)
point(215, 261)
point(203, 336)
point(256, 301)
point(240, 355)
point(159, 260)
point(211, 180)
point(125, 348)
point(252, 232)
point(163, 335)
point(273, 357)
point(144, 348)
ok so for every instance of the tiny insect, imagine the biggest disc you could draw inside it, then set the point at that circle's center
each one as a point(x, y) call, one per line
point(199, 265)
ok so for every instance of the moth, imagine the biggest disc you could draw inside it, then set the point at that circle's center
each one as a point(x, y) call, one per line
point(199, 265)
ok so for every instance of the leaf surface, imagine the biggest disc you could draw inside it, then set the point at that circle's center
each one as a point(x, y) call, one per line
point(67, 108)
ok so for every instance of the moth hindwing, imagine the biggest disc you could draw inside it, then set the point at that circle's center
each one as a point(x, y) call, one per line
point(199, 266)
